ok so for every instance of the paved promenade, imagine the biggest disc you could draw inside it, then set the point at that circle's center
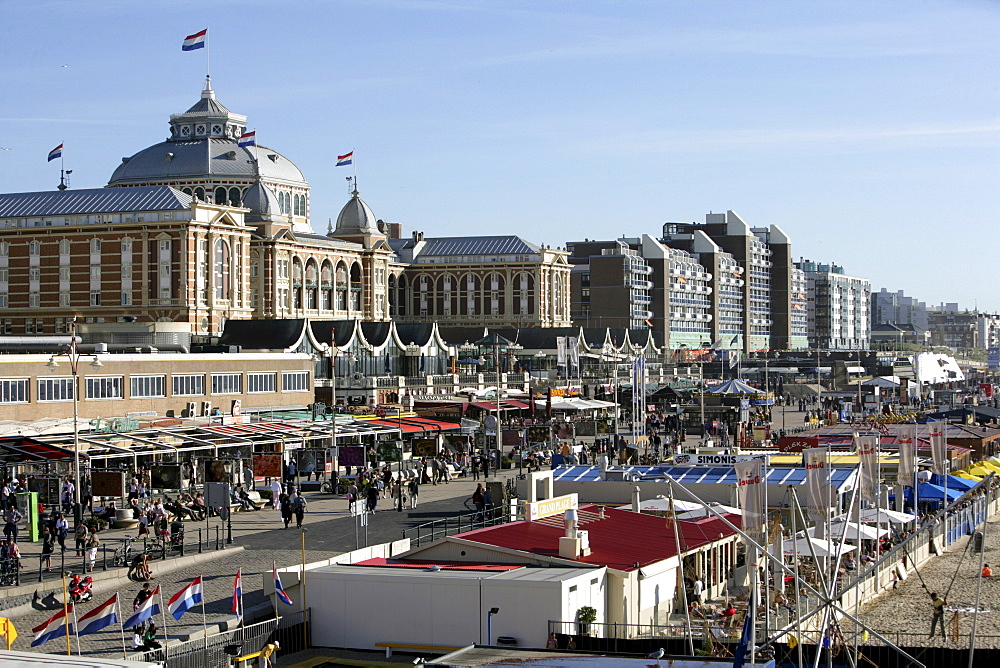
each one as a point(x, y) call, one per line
point(259, 538)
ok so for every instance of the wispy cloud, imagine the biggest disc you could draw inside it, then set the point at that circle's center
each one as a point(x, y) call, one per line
point(77, 121)
point(654, 142)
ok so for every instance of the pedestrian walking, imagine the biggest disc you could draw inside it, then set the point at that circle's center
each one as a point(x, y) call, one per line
point(82, 534)
point(11, 517)
point(299, 506)
point(477, 500)
point(62, 530)
point(414, 492)
point(371, 493)
point(93, 542)
point(275, 494)
point(937, 616)
point(286, 509)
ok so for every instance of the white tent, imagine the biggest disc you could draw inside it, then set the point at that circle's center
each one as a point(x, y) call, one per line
point(883, 516)
point(854, 531)
point(661, 504)
point(799, 547)
point(701, 511)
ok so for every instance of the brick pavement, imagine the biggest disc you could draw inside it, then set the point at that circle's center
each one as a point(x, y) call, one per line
point(331, 531)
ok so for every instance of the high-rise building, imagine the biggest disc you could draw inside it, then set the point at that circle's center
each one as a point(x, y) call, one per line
point(838, 307)
point(895, 308)
point(765, 277)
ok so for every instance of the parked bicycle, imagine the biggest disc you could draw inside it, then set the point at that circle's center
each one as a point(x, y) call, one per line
point(123, 553)
point(328, 486)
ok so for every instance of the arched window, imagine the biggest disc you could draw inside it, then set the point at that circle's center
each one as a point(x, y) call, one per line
point(494, 295)
point(234, 196)
point(187, 191)
point(295, 204)
point(326, 286)
point(447, 296)
point(220, 195)
point(222, 283)
point(356, 287)
point(296, 283)
point(401, 309)
point(423, 300)
point(341, 287)
point(312, 284)
point(200, 193)
point(469, 295)
point(524, 294)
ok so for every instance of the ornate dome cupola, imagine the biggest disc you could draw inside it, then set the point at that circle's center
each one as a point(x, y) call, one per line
point(263, 204)
point(203, 158)
point(207, 118)
point(356, 222)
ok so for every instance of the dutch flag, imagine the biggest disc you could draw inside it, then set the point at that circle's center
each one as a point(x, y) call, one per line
point(100, 617)
point(247, 139)
point(185, 599)
point(55, 153)
point(55, 627)
point(237, 591)
point(279, 591)
point(195, 41)
point(145, 611)
point(342, 160)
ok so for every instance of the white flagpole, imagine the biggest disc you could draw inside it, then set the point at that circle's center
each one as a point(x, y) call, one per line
point(208, 54)
point(121, 622)
point(76, 630)
point(204, 622)
point(163, 613)
point(274, 569)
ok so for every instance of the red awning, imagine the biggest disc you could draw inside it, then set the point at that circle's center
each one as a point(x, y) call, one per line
point(25, 450)
point(413, 425)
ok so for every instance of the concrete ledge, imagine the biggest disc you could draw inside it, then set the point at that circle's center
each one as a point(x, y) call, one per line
point(110, 580)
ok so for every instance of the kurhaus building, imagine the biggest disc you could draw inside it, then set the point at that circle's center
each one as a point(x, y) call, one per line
point(199, 230)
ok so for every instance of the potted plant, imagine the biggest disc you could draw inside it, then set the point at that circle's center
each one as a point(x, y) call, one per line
point(585, 616)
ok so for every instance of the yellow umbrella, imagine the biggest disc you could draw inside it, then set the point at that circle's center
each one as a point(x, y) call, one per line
point(980, 471)
point(967, 476)
point(989, 466)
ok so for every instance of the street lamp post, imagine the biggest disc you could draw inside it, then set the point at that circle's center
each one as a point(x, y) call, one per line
point(74, 355)
point(489, 625)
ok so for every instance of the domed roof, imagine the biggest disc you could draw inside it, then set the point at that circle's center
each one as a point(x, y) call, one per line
point(262, 202)
point(171, 160)
point(356, 217)
point(204, 144)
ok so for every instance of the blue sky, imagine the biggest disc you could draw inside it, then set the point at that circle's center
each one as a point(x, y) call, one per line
point(868, 131)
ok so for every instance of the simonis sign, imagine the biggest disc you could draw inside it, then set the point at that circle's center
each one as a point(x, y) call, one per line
point(715, 459)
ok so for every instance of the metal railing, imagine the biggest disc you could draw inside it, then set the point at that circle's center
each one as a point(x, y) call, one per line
point(115, 553)
point(449, 526)
point(220, 649)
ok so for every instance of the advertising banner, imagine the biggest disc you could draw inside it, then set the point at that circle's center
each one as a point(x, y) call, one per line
point(867, 449)
point(351, 455)
point(818, 492)
point(267, 466)
point(750, 492)
point(107, 483)
point(939, 453)
point(165, 476)
point(907, 436)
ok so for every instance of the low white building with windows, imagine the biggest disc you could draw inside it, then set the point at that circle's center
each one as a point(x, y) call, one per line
point(171, 384)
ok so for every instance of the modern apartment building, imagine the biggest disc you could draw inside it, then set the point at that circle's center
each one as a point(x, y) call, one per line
point(895, 308)
point(838, 307)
